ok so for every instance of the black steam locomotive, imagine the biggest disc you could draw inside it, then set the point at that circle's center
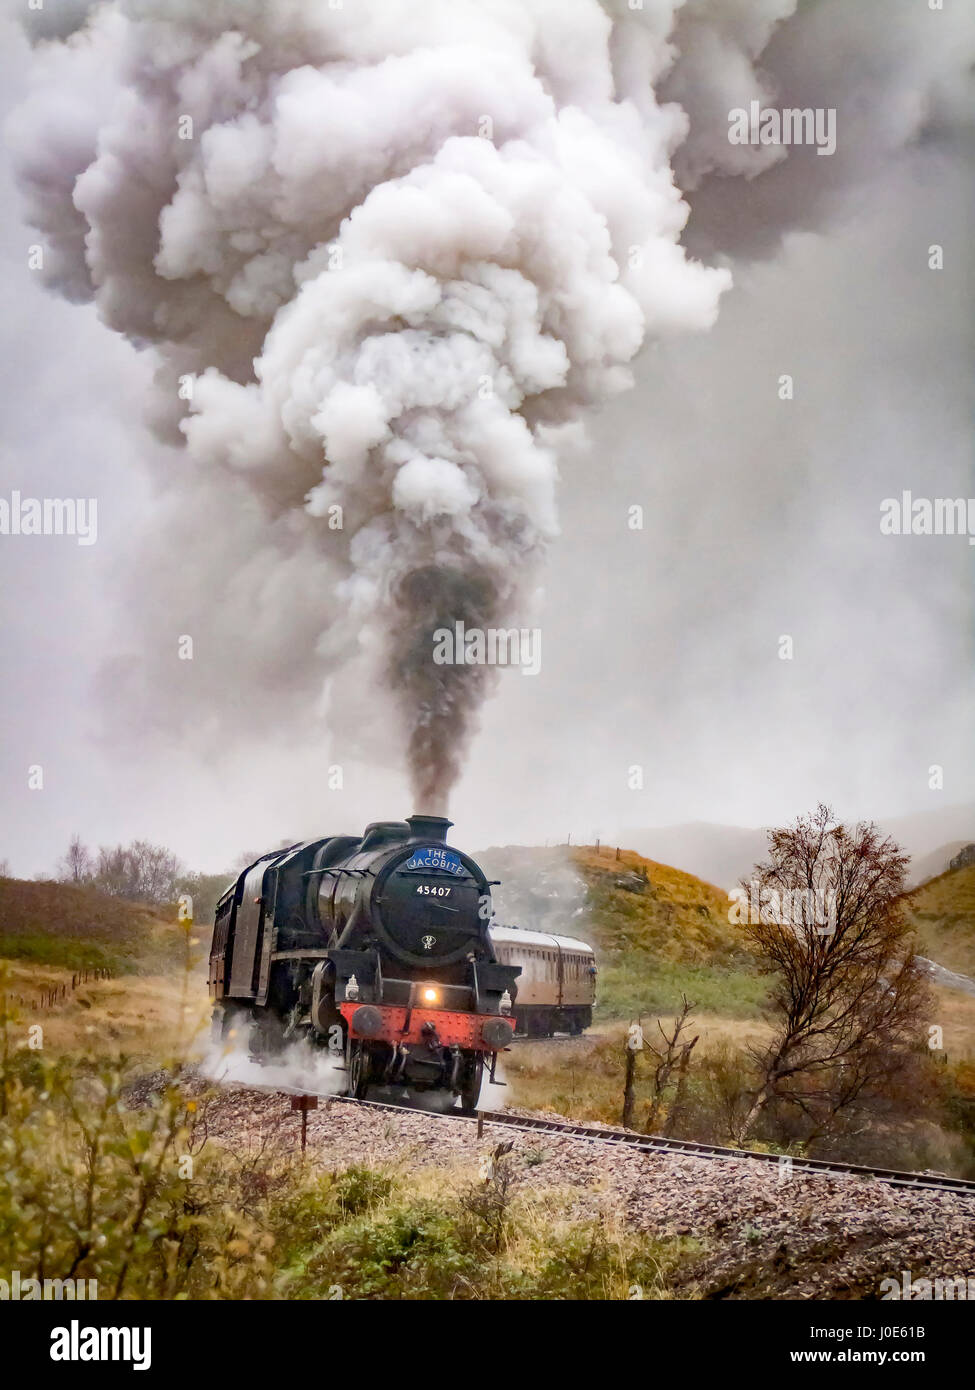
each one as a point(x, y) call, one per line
point(376, 946)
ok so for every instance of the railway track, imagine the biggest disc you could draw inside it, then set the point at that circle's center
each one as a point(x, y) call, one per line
point(556, 1038)
point(652, 1143)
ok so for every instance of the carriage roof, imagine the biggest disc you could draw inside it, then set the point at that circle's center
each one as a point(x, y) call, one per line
point(516, 936)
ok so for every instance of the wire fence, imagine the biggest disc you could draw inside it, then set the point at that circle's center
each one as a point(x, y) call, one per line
point(52, 995)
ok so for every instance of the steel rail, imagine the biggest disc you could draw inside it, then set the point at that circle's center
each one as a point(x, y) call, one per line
point(657, 1143)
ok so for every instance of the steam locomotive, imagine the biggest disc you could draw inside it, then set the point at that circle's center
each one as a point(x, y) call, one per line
point(376, 946)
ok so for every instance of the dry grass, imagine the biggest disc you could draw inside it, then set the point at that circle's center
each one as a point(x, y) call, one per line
point(583, 1078)
point(135, 1015)
point(943, 912)
point(714, 1031)
point(955, 1014)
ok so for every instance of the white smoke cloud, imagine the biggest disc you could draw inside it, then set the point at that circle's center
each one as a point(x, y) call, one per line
point(438, 235)
point(897, 74)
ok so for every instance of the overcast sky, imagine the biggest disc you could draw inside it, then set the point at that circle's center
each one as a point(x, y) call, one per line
point(660, 647)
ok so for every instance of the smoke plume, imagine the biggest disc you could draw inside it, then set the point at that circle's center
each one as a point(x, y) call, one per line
point(387, 255)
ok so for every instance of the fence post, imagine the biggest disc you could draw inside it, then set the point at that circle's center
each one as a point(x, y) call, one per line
point(628, 1088)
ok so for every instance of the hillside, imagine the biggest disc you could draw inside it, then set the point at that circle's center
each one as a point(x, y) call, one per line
point(943, 912)
point(637, 904)
point(72, 926)
point(657, 931)
point(720, 854)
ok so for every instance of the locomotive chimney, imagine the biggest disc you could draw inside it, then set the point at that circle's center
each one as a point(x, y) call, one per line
point(429, 828)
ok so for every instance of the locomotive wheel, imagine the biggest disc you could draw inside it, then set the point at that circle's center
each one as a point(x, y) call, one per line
point(266, 1035)
point(471, 1085)
point(358, 1069)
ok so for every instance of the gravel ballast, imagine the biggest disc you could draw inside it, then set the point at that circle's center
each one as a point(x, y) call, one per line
point(763, 1232)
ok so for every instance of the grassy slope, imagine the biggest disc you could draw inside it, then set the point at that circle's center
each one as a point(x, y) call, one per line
point(63, 925)
point(943, 911)
point(659, 931)
point(50, 930)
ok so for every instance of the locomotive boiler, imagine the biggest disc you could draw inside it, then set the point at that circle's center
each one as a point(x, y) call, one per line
point(376, 946)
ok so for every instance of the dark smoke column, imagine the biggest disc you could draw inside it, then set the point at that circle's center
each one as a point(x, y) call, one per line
point(442, 699)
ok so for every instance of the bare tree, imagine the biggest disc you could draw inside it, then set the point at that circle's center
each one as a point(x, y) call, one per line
point(157, 872)
point(826, 916)
point(77, 865)
point(141, 872)
point(676, 1052)
point(114, 872)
